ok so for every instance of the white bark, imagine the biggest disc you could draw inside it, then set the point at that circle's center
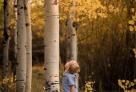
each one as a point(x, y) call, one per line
point(72, 45)
point(51, 43)
point(28, 46)
point(21, 45)
point(72, 36)
point(72, 41)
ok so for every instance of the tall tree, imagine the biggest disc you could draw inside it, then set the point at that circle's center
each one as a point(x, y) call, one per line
point(5, 45)
point(72, 36)
point(15, 41)
point(131, 33)
point(28, 46)
point(51, 46)
point(21, 45)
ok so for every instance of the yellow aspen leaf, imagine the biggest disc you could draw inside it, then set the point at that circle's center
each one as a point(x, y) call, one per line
point(132, 84)
point(134, 17)
point(135, 53)
point(131, 28)
point(1, 33)
point(84, 24)
point(132, 9)
point(131, 22)
point(135, 28)
point(38, 34)
point(123, 81)
point(127, 82)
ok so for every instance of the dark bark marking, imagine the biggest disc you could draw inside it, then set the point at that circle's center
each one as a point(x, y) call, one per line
point(19, 80)
point(48, 86)
point(73, 34)
point(15, 6)
point(7, 14)
point(69, 37)
point(27, 24)
point(18, 13)
point(25, 8)
point(54, 83)
point(5, 4)
point(21, 7)
point(9, 28)
point(55, 91)
point(6, 36)
point(45, 68)
point(55, 2)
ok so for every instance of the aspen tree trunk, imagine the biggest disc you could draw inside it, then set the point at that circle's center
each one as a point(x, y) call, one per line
point(28, 46)
point(72, 42)
point(15, 41)
point(5, 46)
point(21, 45)
point(129, 42)
point(51, 43)
point(72, 36)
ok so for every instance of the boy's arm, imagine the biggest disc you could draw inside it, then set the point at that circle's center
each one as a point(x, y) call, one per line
point(72, 88)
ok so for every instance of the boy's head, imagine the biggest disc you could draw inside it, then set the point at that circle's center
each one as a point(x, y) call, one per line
point(72, 67)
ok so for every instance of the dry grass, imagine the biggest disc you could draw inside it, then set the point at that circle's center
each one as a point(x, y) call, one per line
point(38, 79)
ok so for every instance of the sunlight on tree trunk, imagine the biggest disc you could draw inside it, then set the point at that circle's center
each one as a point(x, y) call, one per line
point(51, 43)
point(21, 45)
point(28, 46)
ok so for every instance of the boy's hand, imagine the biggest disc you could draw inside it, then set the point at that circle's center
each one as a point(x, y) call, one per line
point(72, 88)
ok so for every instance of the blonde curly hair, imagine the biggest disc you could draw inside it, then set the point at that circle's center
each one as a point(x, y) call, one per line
point(72, 67)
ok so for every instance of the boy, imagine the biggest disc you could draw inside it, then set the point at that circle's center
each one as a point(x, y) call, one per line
point(69, 81)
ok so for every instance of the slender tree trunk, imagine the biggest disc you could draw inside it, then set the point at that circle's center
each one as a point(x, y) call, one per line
point(5, 46)
point(72, 36)
point(28, 47)
point(51, 43)
point(131, 35)
point(135, 65)
point(21, 45)
point(15, 42)
point(72, 42)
